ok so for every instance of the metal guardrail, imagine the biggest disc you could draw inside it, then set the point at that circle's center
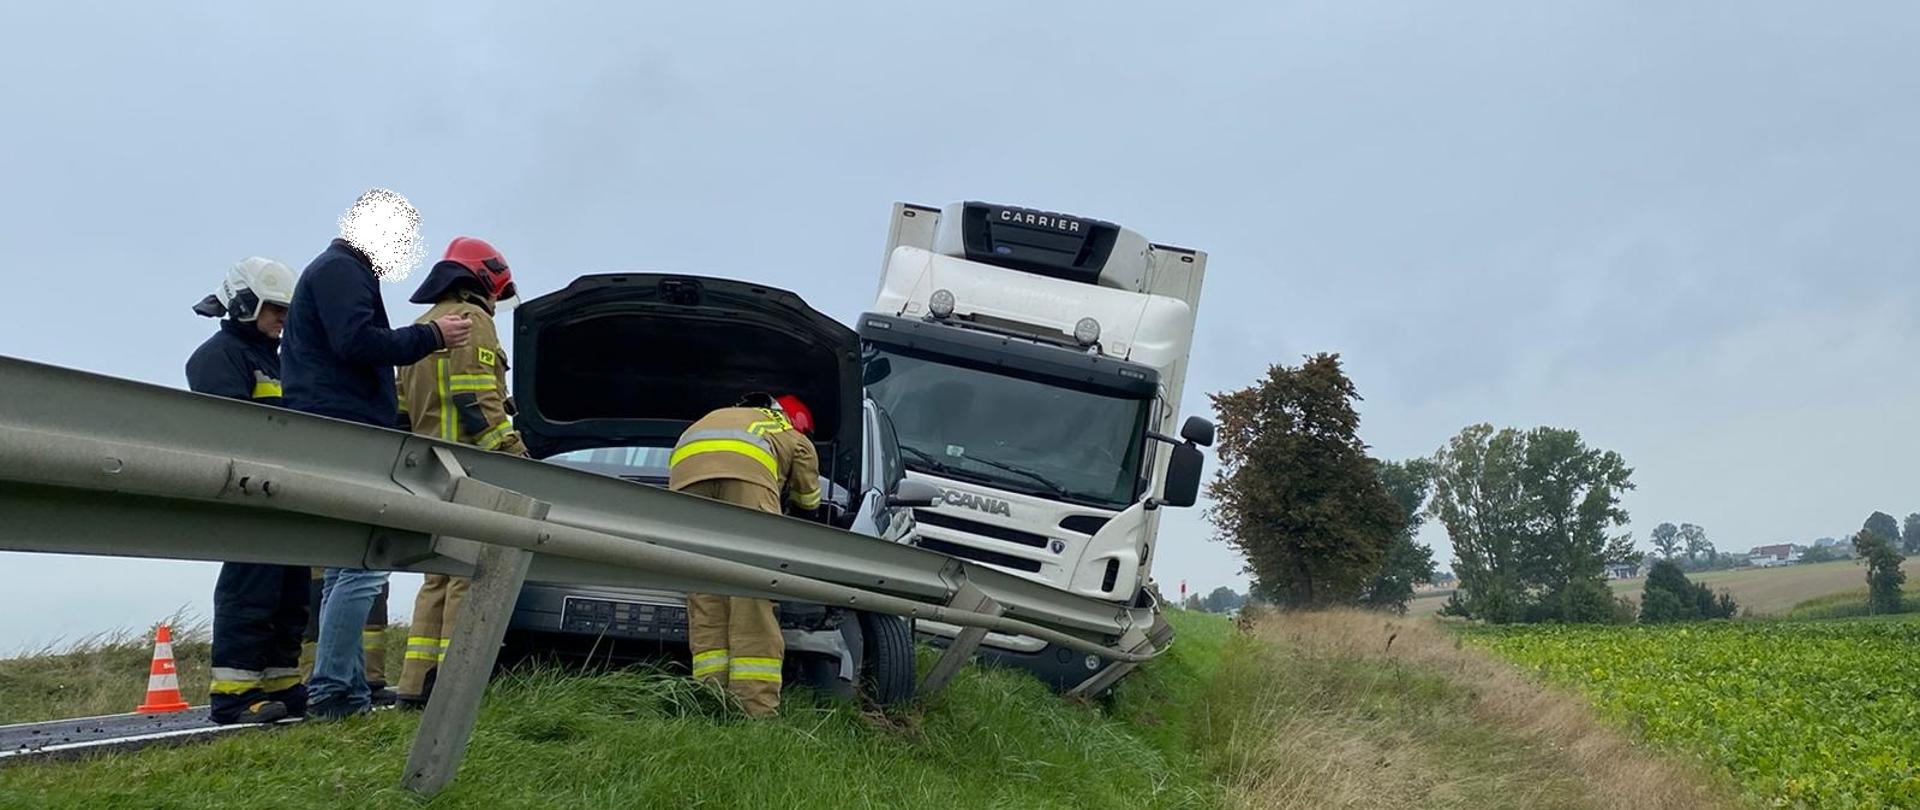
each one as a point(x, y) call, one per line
point(97, 465)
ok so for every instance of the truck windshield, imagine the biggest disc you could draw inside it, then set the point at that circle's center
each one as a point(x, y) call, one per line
point(1014, 433)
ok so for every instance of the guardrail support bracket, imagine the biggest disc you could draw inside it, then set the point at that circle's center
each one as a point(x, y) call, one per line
point(958, 652)
point(499, 571)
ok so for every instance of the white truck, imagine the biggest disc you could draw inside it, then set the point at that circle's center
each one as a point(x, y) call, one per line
point(1033, 363)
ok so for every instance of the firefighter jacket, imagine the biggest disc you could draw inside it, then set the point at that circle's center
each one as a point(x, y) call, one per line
point(460, 395)
point(754, 445)
point(238, 362)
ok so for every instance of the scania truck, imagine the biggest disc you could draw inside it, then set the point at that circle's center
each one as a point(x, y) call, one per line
point(1033, 363)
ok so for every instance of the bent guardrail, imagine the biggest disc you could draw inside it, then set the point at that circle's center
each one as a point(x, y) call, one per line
point(91, 464)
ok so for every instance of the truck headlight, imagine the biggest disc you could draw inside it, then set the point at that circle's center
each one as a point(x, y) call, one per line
point(1087, 331)
point(940, 303)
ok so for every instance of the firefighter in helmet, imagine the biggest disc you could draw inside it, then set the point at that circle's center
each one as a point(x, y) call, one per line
point(747, 455)
point(459, 395)
point(259, 610)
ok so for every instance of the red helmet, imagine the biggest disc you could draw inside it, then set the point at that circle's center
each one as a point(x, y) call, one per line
point(798, 414)
point(485, 263)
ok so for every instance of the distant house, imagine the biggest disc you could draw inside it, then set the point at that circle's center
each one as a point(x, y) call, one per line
point(1776, 554)
point(1623, 570)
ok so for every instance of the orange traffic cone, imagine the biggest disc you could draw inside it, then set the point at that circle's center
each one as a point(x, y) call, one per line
point(163, 684)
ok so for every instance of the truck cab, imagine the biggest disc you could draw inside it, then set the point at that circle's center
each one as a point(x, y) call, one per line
point(610, 370)
point(1034, 363)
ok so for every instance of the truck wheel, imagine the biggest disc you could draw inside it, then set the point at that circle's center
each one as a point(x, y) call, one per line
point(887, 670)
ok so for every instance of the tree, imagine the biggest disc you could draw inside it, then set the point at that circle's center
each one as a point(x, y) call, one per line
point(1530, 516)
point(1815, 554)
point(1670, 597)
point(1910, 534)
point(1699, 548)
point(1883, 570)
point(1295, 491)
point(1408, 562)
point(1222, 599)
point(1477, 497)
point(1884, 525)
point(1666, 539)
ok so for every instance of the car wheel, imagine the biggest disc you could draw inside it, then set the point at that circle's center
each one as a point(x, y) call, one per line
point(887, 667)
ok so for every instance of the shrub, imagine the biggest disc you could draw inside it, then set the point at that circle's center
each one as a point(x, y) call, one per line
point(1671, 597)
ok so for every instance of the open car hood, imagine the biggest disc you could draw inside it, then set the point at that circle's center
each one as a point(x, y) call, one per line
point(632, 359)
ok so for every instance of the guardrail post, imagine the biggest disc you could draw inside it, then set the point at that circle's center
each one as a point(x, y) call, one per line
point(1133, 641)
point(461, 680)
point(961, 648)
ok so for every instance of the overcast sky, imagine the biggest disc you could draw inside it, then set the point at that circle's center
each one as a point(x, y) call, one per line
point(1689, 233)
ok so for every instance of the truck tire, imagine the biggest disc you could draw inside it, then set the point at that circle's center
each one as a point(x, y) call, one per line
point(887, 668)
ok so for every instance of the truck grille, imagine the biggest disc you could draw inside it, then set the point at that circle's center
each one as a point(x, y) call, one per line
point(979, 555)
point(932, 518)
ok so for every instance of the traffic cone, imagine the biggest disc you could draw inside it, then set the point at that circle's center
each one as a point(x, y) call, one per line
point(163, 684)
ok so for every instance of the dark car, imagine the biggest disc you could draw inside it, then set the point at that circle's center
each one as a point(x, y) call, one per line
point(610, 370)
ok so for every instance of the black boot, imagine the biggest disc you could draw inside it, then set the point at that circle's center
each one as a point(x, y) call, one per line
point(261, 713)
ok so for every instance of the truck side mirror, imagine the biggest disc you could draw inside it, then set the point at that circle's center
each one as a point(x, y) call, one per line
point(1183, 475)
point(1197, 430)
point(875, 370)
point(913, 493)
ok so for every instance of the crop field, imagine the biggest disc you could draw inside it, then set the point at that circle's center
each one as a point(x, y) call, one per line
point(1760, 591)
point(1803, 714)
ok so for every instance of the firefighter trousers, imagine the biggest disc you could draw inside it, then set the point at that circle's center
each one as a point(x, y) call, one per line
point(258, 613)
point(373, 637)
point(736, 642)
point(434, 611)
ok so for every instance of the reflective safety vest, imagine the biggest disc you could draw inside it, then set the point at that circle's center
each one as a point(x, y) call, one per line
point(756, 445)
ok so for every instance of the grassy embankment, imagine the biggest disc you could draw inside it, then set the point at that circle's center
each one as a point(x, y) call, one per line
point(1760, 591)
point(1340, 709)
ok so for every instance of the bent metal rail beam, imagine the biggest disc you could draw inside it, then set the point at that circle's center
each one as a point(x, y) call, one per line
point(97, 465)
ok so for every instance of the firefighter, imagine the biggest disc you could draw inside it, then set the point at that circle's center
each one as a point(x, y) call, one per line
point(745, 455)
point(259, 610)
point(459, 395)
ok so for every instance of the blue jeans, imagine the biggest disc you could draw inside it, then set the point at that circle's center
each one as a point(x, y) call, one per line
point(339, 679)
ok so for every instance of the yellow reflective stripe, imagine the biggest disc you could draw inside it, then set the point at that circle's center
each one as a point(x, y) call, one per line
point(423, 648)
point(232, 687)
point(265, 389)
point(755, 669)
point(709, 662)
point(747, 449)
point(805, 500)
point(277, 684)
point(449, 430)
point(472, 382)
point(494, 437)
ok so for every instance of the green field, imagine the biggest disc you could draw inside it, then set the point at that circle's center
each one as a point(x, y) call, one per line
point(1760, 591)
point(1803, 714)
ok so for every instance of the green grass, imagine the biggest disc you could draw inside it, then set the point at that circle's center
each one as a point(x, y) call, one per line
point(107, 673)
point(1812, 714)
point(994, 739)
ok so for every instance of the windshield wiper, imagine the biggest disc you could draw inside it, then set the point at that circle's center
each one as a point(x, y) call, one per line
point(926, 458)
point(1049, 483)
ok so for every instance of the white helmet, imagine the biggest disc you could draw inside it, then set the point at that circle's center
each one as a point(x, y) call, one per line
point(249, 284)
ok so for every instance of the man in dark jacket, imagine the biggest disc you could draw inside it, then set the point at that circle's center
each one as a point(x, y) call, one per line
point(339, 358)
point(259, 610)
